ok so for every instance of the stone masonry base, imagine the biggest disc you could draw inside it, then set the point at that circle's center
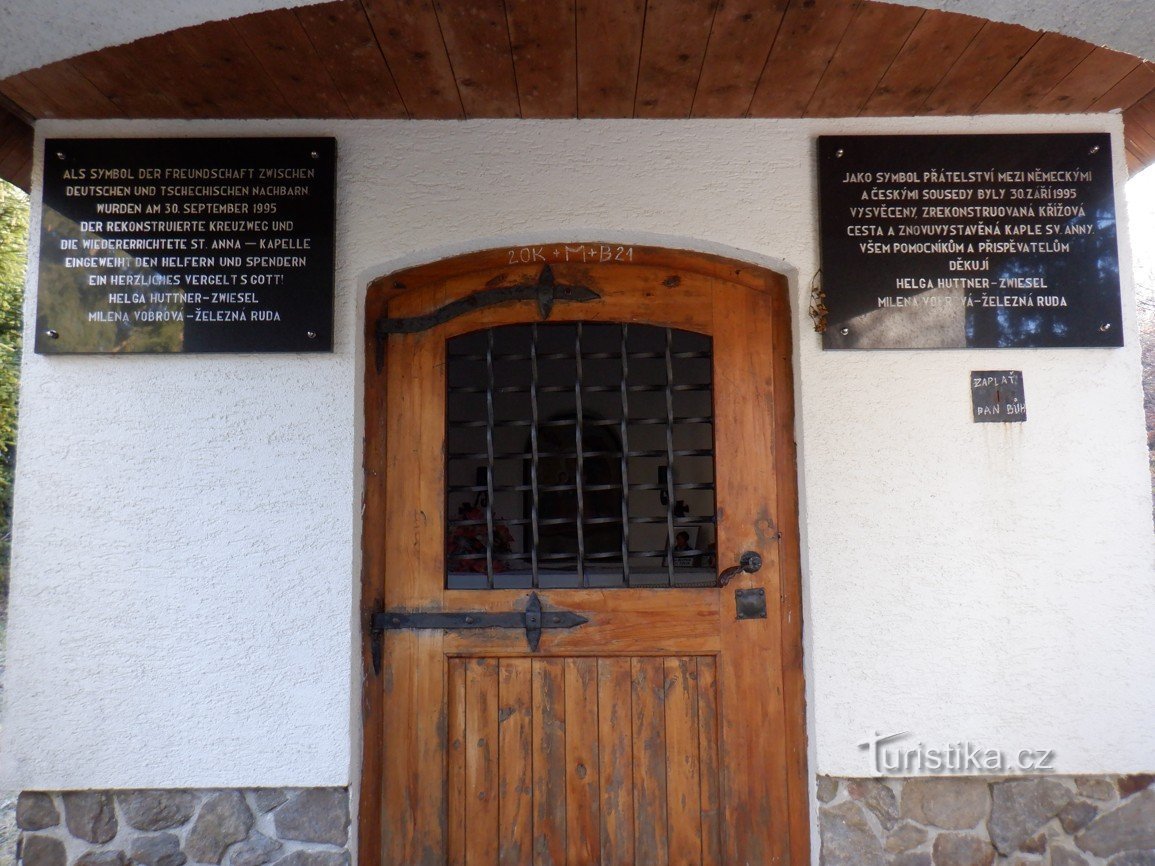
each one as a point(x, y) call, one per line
point(978, 821)
point(253, 827)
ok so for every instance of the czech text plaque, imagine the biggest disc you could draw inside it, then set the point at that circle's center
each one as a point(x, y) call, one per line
point(998, 395)
point(969, 241)
point(187, 245)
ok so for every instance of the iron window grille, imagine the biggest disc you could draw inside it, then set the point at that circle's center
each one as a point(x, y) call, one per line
point(579, 455)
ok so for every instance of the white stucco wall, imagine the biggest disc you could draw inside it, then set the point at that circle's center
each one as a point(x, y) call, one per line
point(187, 527)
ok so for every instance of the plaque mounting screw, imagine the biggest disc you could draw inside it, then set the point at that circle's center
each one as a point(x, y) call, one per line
point(52, 334)
point(312, 335)
point(838, 153)
point(313, 154)
point(844, 332)
point(60, 154)
point(1106, 326)
point(1095, 149)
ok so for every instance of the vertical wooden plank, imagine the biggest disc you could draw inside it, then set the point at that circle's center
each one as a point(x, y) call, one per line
point(793, 681)
point(415, 674)
point(16, 149)
point(1101, 70)
point(938, 40)
point(583, 801)
point(70, 89)
point(21, 176)
point(458, 790)
point(15, 136)
point(872, 40)
point(739, 44)
point(708, 756)
point(370, 830)
point(609, 48)
point(987, 60)
point(115, 72)
point(543, 37)
point(1139, 128)
point(481, 760)
point(807, 39)
point(515, 776)
point(549, 756)
point(414, 765)
point(22, 91)
point(173, 72)
point(410, 38)
point(615, 750)
point(649, 766)
point(1045, 65)
point(281, 46)
point(1127, 92)
point(683, 779)
point(228, 72)
point(754, 796)
point(673, 48)
point(476, 36)
point(344, 42)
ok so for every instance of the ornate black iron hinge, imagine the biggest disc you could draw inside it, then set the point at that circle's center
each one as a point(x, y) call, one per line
point(546, 290)
point(533, 619)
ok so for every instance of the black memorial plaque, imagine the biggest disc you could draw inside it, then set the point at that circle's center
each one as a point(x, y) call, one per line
point(969, 241)
point(998, 395)
point(187, 245)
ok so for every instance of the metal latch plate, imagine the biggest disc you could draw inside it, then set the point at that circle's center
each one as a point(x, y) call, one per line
point(750, 603)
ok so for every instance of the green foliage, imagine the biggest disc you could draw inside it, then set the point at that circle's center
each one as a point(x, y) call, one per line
point(13, 258)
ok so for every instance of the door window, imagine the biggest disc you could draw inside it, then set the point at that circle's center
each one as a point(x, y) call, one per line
point(579, 455)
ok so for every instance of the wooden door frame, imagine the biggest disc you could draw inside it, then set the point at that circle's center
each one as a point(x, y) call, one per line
point(413, 286)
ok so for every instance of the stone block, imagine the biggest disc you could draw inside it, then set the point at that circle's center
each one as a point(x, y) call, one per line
point(157, 810)
point(1076, 815)
point(42, 851)
point(1037, 844)
point(877, 797)
point(268, 799)
point(962, 849)
point(1019, 809)
point(1133, 858)
point(952, 804)
point(1066, 857)
point(1095, 787)
point(101, 858)
point(315, 815)
point(905, 836)
point(1133, 784)
point(911, 858)
point(90, 815)
point(847, 838)
point(224, 820)
point(161, 849)
point(315, 858)
point(1130, 827)
point(257, 850)
point(36, 811)
point(827, 789)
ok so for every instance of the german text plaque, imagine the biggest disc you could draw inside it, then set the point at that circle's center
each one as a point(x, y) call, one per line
point(187, 245)
point(969, 241)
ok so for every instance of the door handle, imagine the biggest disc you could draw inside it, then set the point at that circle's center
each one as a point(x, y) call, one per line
point(749, 562)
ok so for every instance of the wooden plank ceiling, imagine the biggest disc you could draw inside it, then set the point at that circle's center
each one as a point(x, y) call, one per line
point(587, 58)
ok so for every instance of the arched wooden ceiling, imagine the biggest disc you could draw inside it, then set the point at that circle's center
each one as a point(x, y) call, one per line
point(586, 58)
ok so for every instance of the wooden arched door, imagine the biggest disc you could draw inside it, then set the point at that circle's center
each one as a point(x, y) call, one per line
point(664, 723)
